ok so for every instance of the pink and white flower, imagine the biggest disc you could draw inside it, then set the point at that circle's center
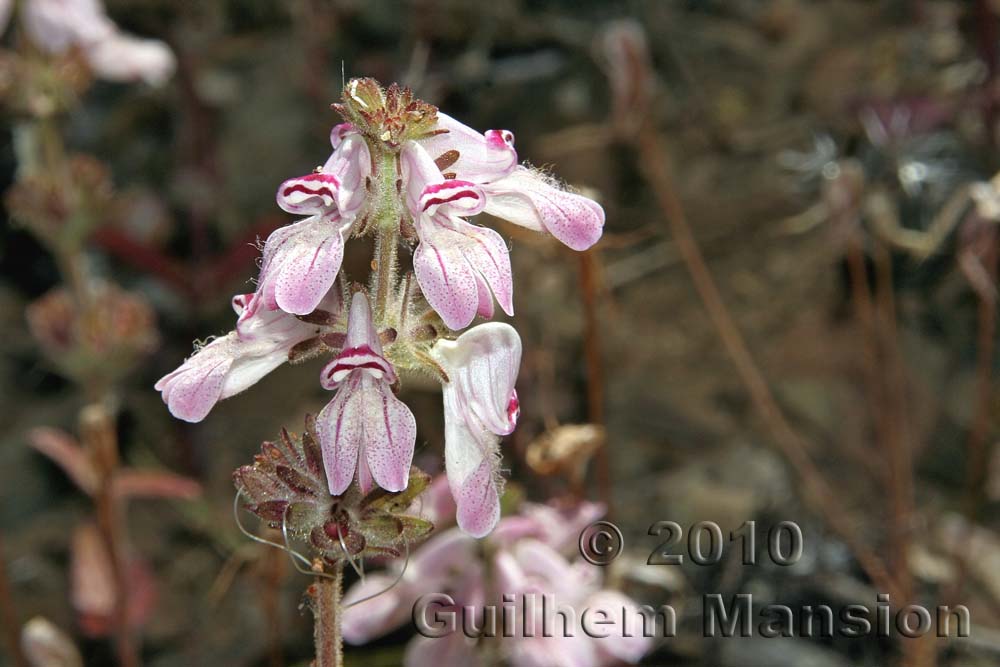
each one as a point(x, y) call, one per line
point(365, 428)
point(234, 362)
point(459, 266)
point(480, 406)
point(520, 195)
point(302, 260)
point(55, 26)
point(525, 570)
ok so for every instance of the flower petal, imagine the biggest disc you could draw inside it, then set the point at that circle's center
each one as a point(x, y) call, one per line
point(453, 648)
point(362, 348)
point(390, 435)
point(307, 266)
point(453, 260)
point(625, 640)
point(471, 455)
point(525, 198)
point(340, 132)
point(309, 194)
point(482, 366)
point(446, 278)
point(482, 158)
point(456, 197)
point(340, 430)
point(56, 25)
point(122, 57)
point(351, 164)
point(378, 615)
point(192, 390)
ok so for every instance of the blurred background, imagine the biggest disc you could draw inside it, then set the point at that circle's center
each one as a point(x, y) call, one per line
point(791, 315)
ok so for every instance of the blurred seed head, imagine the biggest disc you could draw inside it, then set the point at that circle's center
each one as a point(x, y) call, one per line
point(103, 342)
point(62, 208)
point(565, 450)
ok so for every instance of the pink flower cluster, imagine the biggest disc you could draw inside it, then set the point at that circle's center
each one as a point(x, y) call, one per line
point(437, 181)
point(524, 561)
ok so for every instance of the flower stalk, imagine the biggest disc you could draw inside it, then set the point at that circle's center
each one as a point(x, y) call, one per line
point(327, 594)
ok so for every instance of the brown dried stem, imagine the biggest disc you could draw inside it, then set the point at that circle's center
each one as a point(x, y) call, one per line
point(101, 441)
point(594, 356)
point(816, 492)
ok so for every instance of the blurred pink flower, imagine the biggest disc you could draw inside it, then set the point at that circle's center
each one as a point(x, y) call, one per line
point(480, 406)
point(55, 26)
point(365, 427)
point(524, 570)
point(234, 362)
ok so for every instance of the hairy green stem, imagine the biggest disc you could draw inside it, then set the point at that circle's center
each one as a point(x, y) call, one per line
point(388, 211)
point(327, 629)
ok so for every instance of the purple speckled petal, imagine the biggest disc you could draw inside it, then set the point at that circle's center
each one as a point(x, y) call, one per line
point(526, 198)
point(453, 261)
point(192, 390)
point(446, 278)
point(340, 430)
point(390, 436)
point(308, 268)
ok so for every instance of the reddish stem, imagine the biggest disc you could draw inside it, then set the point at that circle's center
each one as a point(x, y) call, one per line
point(589, 279)
point(9, 615)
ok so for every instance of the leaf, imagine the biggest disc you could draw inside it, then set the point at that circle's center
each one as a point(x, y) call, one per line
point(62, 449)
point(147, 484)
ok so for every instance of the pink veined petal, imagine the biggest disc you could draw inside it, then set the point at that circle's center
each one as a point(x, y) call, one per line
point(485, 299)
point(418, 171)
point(390, 435)
point(488, 254)
point(526, 199)
point(339, 133)
point(482, 158)
point(446, 278)
point(362, 348)
point(482, 365)
point(192, 390)
point(307, 271)
point(309, 194)
point(351, 164)
point(248, 369)
point(478, 502)
point(452, 261)
point(340, 430)
point(360, 329)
